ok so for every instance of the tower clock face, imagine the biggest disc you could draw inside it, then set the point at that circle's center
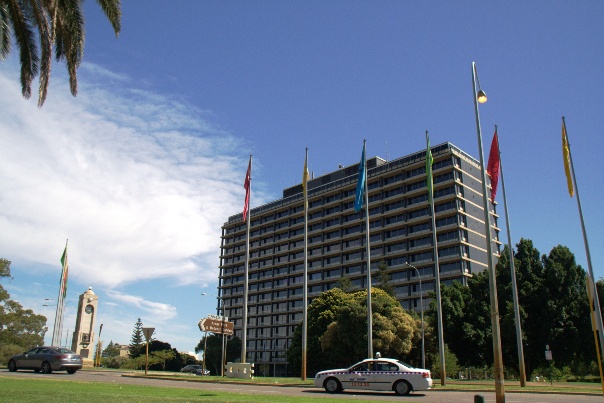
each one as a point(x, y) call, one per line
point(88, 309)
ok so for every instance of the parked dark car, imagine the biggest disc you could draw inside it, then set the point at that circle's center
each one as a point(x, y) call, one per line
point(46, 359)
point(191, 368)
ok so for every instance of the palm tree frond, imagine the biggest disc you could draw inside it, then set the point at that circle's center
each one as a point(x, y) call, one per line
point(24, 37)
point(113, 11)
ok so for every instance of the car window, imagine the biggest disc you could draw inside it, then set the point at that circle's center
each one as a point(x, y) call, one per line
point(362, 367)
point(32, 351)
point(62, 350)
point(43, 351)
point(405, 365)
point(384, 366)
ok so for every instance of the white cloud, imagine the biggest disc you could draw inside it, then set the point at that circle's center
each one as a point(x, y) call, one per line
point(139, 183)
point(160, 312)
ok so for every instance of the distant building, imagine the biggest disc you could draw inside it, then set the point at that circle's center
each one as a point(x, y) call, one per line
point(400, 232)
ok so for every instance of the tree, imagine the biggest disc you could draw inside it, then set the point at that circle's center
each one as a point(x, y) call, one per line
point(59, 26)
point(337, 330)
point(20, 329)
point(321, 313)
point(137, 345)
point(213, 355)
point(162, 356)
point(112, 350)
point(553, 310)
point(384, 279)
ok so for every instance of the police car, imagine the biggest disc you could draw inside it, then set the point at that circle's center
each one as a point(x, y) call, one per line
point(376, 374)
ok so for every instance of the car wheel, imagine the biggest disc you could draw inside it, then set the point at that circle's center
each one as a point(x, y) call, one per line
point(12, 366)
point(71, 371)
point(332, 385)
point(402, 388)
point(46, 368)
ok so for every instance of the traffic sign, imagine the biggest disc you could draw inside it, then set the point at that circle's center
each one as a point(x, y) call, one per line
point(148, 332)
point(215, 326)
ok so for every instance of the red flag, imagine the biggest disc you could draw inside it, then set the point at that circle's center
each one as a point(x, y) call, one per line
point(247, 185)
point(493, 165)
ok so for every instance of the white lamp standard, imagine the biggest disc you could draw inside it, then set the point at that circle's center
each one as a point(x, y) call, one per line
point(480, 96)
point(421, 305)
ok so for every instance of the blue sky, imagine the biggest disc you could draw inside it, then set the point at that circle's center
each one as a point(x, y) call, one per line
point(144, 166)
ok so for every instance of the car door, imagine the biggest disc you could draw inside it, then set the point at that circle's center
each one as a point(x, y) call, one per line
point(360, 377)
point(27, 360)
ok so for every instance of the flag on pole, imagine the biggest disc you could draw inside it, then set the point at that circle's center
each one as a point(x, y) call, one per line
point(247, 186)
point(64, 274)
point(358, 200)
point(566, 157)
point(305, 177)
point(493, 166)
point(429, 162)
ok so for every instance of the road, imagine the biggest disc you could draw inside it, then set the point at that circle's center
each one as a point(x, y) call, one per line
point(432, 396)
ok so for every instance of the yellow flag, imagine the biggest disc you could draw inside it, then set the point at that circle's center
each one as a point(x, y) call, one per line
point(566, 156)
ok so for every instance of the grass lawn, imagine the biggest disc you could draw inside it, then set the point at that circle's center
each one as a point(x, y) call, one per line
point(36, 390)
point(45, 390)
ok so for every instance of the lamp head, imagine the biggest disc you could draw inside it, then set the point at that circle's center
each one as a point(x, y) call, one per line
point(481, 97)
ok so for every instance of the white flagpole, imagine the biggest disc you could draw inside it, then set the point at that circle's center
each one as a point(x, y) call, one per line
point(439, 311)
point(305, 321)
point(246, 270)
point(368, 249)
point(513, 276)
point(596, 301)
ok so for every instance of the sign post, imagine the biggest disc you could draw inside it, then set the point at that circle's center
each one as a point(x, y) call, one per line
point(548, 356)
point(148, 332)
point(217, 325)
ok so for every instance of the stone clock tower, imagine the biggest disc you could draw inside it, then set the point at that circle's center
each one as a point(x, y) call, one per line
point(83, 336)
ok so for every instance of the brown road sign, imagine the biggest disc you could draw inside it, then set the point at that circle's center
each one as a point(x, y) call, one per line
point(216, 326)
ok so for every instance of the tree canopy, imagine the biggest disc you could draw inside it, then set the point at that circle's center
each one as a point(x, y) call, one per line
point(20, 329)
point(337, 330)
point(553, 309)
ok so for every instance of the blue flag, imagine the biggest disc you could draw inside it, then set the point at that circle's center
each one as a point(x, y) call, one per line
point(358, 200)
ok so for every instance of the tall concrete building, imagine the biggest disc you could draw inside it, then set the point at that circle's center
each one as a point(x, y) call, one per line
point(400, 232)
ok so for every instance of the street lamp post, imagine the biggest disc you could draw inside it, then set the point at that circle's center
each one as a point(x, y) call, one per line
point(421, 305)
point(480, 96)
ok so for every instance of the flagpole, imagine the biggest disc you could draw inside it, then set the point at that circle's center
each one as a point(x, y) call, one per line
point(439, 312)
point(496, 333)
point(368, 252)
point(247, 264)
point(59, 312)
point(589, 266)
point(305, 320)
point(592, 313)
point(513, 275)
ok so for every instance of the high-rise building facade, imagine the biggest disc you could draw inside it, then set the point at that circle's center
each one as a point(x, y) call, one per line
point(400, 232)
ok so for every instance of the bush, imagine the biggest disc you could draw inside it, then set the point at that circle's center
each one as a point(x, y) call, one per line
point(114, 362)
point(7, 351)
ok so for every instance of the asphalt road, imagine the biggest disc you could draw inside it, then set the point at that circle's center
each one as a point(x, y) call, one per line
point(431, 396)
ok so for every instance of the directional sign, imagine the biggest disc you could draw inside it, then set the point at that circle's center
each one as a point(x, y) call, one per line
point(215, 326)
